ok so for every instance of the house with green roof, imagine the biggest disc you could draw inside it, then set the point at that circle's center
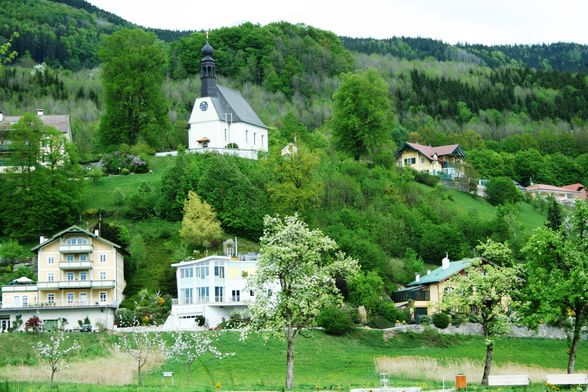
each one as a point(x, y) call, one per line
point(424, 293)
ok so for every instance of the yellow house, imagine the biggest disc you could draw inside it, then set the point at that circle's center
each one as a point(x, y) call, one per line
point(438, 160)
point(80, 274)
point(425, 293)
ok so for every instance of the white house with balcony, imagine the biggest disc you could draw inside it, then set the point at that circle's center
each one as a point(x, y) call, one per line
point(222, 121)
point(80, 274)
point(211, 287)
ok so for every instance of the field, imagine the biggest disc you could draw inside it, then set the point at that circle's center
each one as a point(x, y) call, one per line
point(322, 361)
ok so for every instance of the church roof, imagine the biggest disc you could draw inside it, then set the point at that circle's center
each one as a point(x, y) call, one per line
point(230, 103)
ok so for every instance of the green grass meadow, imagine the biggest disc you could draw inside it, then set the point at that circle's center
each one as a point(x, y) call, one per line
point(321, 361)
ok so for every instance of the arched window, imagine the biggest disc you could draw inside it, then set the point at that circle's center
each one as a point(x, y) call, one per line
point(232, 145)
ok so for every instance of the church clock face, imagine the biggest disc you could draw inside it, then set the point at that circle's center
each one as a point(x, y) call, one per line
point(203, 106)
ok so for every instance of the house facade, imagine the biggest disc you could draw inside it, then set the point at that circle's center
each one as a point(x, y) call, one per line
point(211, 287)
point(567, 194)
point(221, 119)
point(80, 274)
point(424, 294)
point(441, 160)
point(59, 122)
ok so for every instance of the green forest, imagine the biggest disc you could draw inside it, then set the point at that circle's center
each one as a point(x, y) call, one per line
point(518, 112)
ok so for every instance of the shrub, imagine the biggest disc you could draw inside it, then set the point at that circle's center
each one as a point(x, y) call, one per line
point(124, 171)
point(427, 179)
point(200, 321)
point(379, 322)
point(338, 320)
point(124, 317)
point(441, 320)
point(118, 161)
point(502, 190)
point(34, 324)
point(424, 319)
point(387, 310)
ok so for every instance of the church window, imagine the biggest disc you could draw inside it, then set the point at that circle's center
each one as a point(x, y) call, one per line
point(254, 138)
point(225, 134)
point(246, 136)
point(261, 140)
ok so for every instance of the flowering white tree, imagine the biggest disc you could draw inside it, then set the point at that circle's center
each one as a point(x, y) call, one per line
point(141, 346)
point(56, 352)
point(189, 347)
point(294, 281)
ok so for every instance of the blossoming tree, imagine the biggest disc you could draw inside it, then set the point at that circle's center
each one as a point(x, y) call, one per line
point(56, 352)
point(294, 281)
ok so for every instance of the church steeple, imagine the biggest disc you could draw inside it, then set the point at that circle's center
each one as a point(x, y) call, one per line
point(207, 71)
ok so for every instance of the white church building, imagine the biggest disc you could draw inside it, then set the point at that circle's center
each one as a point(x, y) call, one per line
point(221, 119)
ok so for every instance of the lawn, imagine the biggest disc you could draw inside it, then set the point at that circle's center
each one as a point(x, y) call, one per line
point(322, 360)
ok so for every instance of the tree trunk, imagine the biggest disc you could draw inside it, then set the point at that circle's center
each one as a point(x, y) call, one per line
point(487, 362)
point(575, 340)
point(290, 359)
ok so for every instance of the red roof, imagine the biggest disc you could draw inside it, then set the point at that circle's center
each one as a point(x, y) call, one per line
point(574, 187)
point(429, 151)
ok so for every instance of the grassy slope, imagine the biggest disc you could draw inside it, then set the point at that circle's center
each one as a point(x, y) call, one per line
point(320, 359)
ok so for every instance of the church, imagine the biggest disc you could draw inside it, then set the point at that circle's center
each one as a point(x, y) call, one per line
point(221, 119)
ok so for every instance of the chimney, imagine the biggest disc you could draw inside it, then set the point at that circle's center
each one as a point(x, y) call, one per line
point(428, 272)
point(97, 233)
point(42, 239)
point(417, 277)
point(445, 262)
point(40, 112)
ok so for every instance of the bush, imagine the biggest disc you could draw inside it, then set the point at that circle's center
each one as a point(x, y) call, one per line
point(338, 320)
point(124, 171)
point(200, 321)
point(379, 322)
point(502, 190)
point(124, 317)
point(388, 310)
point(34, 324)
point(424, 319)
point(441, 320)
point(118, 161)
point(427, 179)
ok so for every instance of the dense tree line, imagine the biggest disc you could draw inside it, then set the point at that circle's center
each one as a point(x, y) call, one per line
point(561, 56)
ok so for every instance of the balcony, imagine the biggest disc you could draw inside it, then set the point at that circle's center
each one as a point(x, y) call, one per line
point(76, 265)
point(19, 288)
point(415, 295)
point(76, 284)
point(81, 248)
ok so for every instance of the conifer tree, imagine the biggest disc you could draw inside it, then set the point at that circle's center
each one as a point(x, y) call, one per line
point(199, 225)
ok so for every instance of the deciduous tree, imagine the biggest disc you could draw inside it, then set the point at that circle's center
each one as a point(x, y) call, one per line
point(294, 281)
point(199, 225)
point(57, 352)
point(141, 346)
point(484, 292)
point(557, 283)
point(361, 113)
point(132, 76)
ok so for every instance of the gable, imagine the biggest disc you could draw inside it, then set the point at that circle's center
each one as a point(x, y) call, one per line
point(453, 150)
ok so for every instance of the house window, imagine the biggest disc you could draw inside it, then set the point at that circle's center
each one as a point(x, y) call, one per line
point(83, 257)
point(70, 276)
point(186, 273)
point(50, 276)
point(25, 301)
point(102, 275)
point(70, 298)
point(51, 298)
point(69, 258)
point(187, 296)
point(422, 160)
point(102, 257)
point(202, 294)
point(76, 241)
point(17, 302)
point(102, 297)
point(251, 293)
point(202, 272)
point(219, 293)
point(409, 161)
point(83, 298)
point(51, 260)
point(236, 295)
point(83, 275)
point(219, 270)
